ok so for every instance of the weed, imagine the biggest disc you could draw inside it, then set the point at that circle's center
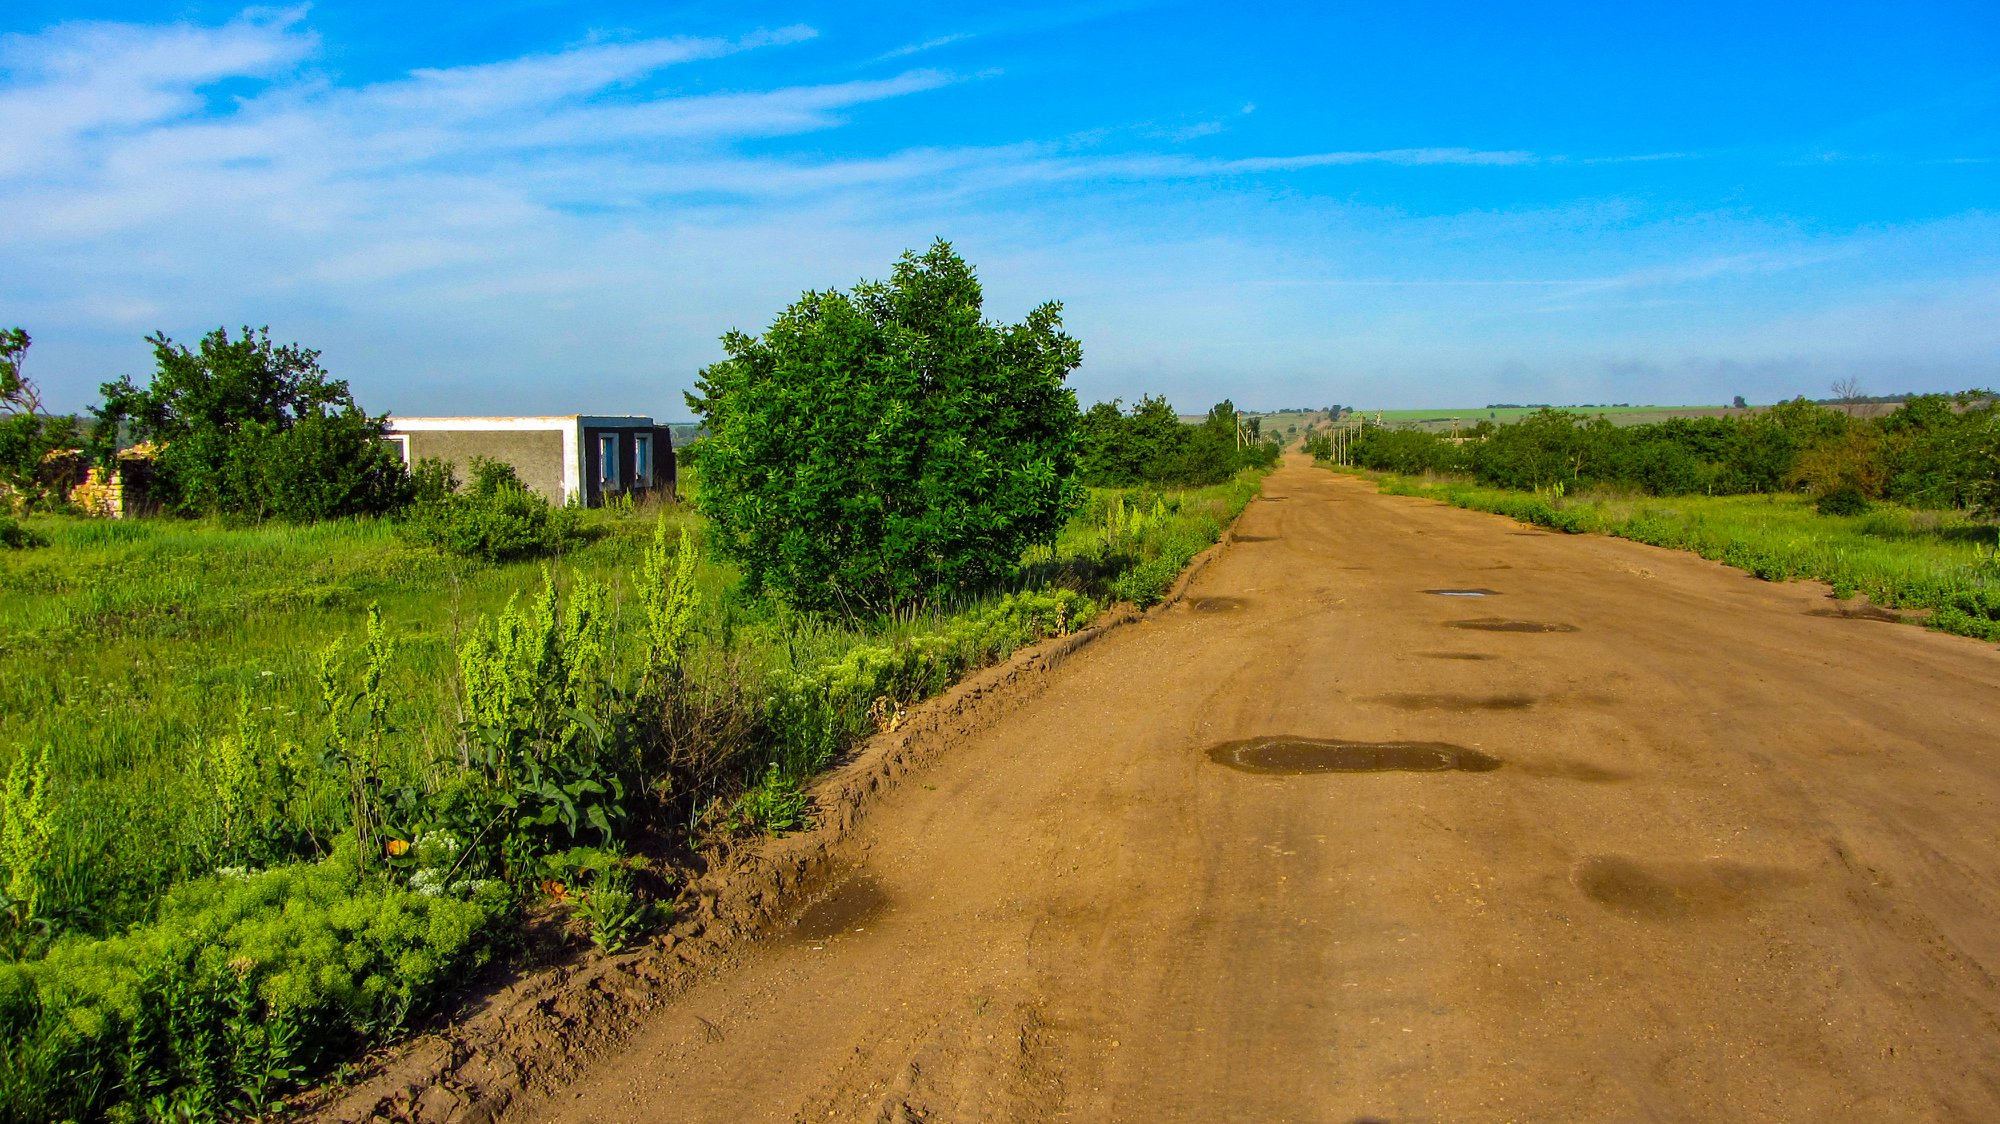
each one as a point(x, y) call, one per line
point(27, 814)
point(613, 912)
point(774, 804)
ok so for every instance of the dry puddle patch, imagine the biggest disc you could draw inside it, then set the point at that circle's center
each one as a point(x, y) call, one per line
point(1495, 624)
point(1456, 656)
point(1463, 592)
point(1676, 891)
point(1294, 756)
point(1441, 701)
point(1858, 613)
point(847, 907)
point(1216, 604)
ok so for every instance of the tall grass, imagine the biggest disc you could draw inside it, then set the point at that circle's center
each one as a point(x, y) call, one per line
point(1940, 563)
point(133, 649)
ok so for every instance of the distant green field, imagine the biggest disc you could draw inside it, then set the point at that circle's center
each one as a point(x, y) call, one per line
point(1442, 419)
point(1294, 424)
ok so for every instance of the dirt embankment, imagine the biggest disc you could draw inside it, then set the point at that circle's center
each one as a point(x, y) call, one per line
point(545, 1026)
point(1405, 813)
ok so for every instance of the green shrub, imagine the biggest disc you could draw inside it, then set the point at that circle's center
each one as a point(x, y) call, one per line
point(243, 985)
point(1844, 499)
point(1150, 445)
point(15, 535)
point(251, 430)
point(496, 519)
point(1972, 612)
point(878, 448)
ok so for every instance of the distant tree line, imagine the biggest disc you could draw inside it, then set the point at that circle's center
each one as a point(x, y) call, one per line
point(1151, 445)
point(1935, 450)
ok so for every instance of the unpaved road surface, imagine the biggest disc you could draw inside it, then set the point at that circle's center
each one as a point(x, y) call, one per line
point(1735, 861)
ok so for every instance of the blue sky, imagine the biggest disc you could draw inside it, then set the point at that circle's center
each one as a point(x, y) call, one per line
point(546, 207)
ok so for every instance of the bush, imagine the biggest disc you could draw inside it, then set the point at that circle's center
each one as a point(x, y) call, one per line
point(16, 536)
point(251, 430)
point(873, 449)
point(497, 519)
point(1150, 445)
point(1844, 499)
point(243, 986)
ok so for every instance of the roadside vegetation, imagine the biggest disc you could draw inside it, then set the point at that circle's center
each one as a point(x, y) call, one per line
point(1150, 445)
point(1901, 508)
point(275, 788)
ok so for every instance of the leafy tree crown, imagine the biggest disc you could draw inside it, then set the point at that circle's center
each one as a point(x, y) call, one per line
point(878, 447)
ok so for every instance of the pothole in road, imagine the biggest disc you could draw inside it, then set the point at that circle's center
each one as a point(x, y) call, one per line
point(847, 908)
point(1674, 891)
point(1859, 613)
point(1463, 592)
point(1494, 624)
point(1216, 604)
point(1421, 701)
point(1293, 756)
point(1253, 538)
point(1456, 656)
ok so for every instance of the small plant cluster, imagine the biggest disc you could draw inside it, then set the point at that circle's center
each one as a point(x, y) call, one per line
point(1154, 536)
point(816, 714)
point(241, 985)
point(494, 519)
point(1883, 553)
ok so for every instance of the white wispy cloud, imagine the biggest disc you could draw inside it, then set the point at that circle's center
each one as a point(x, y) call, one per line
point(82, 79)
point(909, 49)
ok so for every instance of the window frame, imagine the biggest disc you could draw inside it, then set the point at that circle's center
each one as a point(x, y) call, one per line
point(608, 479)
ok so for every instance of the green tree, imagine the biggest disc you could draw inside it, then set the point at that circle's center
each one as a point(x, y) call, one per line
point(28, 434)
point(248, 429)
point(877, 447)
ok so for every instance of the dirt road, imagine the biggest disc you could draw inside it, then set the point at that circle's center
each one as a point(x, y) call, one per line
point(1685, 851)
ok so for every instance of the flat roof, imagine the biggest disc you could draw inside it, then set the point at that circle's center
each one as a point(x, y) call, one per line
point(522, 421)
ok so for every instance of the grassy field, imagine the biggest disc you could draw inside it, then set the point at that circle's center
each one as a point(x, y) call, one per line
point(1942, 565)
point(1440, 420)
point(193, 917)
point(132, 649)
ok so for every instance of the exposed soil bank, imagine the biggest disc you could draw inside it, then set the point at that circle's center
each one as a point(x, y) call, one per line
point(1736, 861)
point(539, 1030)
